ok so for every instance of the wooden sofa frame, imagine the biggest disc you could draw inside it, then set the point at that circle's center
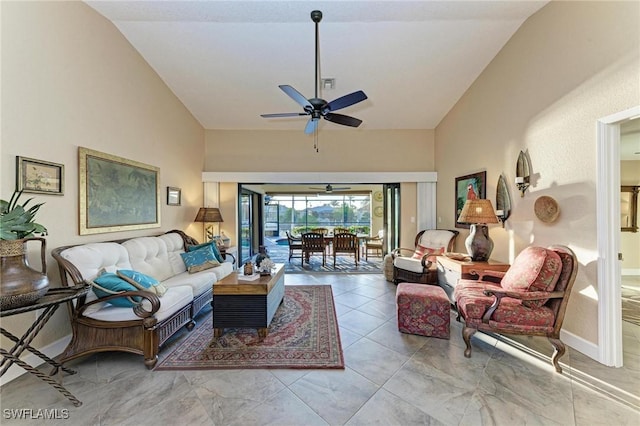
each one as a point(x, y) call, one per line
point(143, 336)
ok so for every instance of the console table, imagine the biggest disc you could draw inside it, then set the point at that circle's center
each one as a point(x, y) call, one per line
point(49, 303)
point(451, 270)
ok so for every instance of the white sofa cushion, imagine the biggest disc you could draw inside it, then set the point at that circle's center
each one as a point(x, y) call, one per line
point(408, 264)
point(149, 255)
point(175, 246)
point(199, 282)
point(174, 299)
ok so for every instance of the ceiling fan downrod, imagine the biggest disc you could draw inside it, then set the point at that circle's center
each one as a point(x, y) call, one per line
point(316, 16)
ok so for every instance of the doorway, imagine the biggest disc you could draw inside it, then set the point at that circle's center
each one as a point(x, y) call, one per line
point(608, 232)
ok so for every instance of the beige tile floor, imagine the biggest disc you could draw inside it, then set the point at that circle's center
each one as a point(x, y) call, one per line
point(390, 379)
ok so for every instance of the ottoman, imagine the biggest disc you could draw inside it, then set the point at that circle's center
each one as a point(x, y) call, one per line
point(423, 309)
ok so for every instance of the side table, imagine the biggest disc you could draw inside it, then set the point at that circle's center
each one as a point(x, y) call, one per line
point(49, 303)
point(451, 270)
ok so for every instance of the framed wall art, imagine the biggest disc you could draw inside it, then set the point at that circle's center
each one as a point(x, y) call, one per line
point(174, 196)
point(38, 176)
point(467, 188)
point(117, 194)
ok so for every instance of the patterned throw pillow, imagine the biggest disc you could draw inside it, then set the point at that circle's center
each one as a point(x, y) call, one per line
point(422, 250)
point(214, 248)
point(200, 259)
point(142, 282)
point(534, 269)
point(108, 284)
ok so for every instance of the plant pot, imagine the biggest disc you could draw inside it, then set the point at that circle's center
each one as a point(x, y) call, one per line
point(21, 285)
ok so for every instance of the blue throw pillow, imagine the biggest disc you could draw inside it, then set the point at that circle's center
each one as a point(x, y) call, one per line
point(142, 281)
point(200, 259)
point(108, 284)
point(214, 248)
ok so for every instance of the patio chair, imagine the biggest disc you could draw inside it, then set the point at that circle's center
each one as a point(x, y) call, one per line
point(345, 243)
point(295, 247)
point(313, 242)
point(374, 245)
point(530, 299)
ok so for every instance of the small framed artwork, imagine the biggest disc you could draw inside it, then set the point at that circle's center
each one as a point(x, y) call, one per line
point(174, 196)
point(469, 187)
point(38, 176)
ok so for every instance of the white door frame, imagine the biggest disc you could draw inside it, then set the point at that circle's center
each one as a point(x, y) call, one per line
point(608, 234)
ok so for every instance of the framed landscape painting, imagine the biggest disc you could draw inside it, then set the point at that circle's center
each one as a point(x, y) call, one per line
point(117, 194)
point(469, 187)
point(39, 176)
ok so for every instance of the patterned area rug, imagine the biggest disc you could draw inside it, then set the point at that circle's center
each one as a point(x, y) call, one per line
point(303, 334)
point(631, 304)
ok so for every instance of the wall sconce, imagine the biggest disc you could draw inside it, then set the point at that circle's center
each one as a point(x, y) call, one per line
point(503, 201)
point(523, 172)
point(478, 213)
point(208, 215)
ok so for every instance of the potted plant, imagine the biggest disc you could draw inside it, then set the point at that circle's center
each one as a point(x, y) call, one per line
point(20, 285)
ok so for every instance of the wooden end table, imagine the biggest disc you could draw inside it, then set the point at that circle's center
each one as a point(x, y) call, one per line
point(247, 304)
point(451, 270)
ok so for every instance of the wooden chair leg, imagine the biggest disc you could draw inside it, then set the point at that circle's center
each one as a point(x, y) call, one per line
point(559, 350)
point(467, 332)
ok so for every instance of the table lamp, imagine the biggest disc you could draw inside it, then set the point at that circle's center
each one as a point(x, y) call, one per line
point(208, 215)
point(478, 213)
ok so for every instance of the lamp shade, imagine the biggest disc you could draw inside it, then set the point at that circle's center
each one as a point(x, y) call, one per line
point(478, 211)
point(208, 214)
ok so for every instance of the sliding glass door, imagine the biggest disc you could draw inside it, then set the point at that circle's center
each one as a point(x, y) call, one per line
point(391, 216)
point(250, 224)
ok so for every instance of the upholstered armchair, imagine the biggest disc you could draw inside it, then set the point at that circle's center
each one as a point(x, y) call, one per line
point(417, 265)
point(530, 299)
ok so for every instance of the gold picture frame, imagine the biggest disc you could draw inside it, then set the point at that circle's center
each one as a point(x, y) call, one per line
point(116, 194)
point(39, 176)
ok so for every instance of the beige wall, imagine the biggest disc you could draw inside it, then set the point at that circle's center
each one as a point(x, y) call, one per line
point(340, 151)
point(630, 241)
point(566, 67)
point(70, 79)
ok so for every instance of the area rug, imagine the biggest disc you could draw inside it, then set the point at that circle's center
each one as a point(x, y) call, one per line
point(631, 304)
point(303, 334)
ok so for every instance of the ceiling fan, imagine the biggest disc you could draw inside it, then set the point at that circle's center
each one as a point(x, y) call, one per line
point(329, 189)
point(318, 108)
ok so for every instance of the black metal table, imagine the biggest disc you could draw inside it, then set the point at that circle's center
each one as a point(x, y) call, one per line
point(49, 303)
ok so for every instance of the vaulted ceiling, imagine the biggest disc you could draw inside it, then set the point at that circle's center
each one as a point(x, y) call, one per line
point(225, 59)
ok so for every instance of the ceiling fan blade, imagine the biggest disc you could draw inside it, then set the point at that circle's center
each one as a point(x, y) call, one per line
point(296, 96)
point(283, 114)
point(345, 120)
point(345, 101)
point(311, 126)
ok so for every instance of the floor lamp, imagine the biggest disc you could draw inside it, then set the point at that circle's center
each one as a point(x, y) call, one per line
point(478, 213)
point(208, 215)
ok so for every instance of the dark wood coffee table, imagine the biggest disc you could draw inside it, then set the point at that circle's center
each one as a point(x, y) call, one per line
point(247, 304)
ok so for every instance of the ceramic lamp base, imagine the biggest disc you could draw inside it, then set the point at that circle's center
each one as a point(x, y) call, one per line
point(478, 244)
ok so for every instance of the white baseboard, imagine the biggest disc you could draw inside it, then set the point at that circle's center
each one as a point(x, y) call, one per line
point(51, 350)
point(630, 272)
point(588, 348)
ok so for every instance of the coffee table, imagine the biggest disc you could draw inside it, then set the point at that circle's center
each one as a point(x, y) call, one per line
point(247, 304)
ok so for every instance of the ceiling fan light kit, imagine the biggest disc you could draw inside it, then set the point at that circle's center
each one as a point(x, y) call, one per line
point(316, 107)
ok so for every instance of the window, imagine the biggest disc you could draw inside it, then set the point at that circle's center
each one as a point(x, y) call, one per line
point(297, 213)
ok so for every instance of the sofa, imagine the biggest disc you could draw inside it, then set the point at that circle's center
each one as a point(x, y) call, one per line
point(99, 325)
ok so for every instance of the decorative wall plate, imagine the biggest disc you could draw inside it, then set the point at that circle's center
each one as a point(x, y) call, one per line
point(378, 211)
point(546, 209)
point(378, 196)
